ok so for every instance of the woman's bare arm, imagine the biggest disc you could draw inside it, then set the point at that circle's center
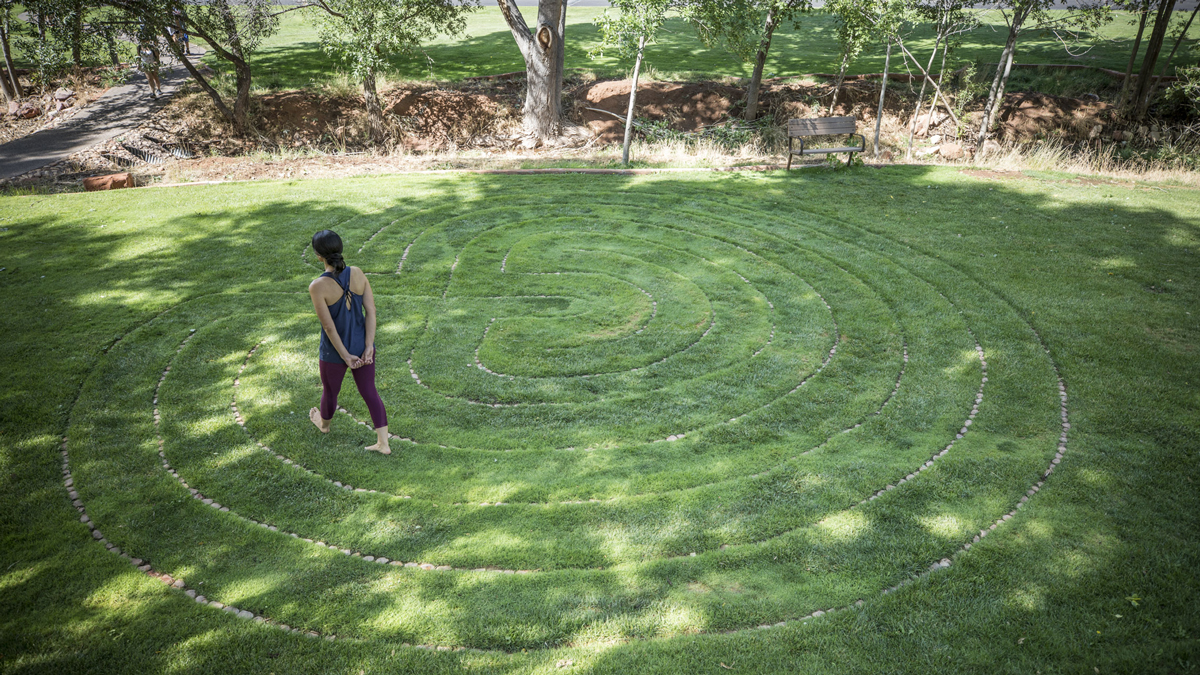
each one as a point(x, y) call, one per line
point(369, 310)
point(318, 301)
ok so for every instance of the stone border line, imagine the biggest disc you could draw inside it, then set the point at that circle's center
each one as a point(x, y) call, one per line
point(943, 563)
point(196, 494)
point(181, 586)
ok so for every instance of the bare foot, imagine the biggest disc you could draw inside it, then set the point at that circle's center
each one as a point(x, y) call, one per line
point(384, 450)
point(322, 424)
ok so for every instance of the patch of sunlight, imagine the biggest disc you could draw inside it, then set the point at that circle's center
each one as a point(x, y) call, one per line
point(844, 526)
point(1094, 478)
point(968, 362)
point(482, 541)
point(1117, 263)
point(943, 525)
point(1038, 528)
point(1181, 237)
point(110, 296)
point(680, 619)
point(235, 455)
point(493, 493)
point(20, 575)
point(1028, 599)
point(184, 655)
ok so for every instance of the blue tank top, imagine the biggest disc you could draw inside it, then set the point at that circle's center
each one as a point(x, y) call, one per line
point(348, 320)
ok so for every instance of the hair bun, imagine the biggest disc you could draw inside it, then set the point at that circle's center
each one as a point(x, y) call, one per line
point(328, 245)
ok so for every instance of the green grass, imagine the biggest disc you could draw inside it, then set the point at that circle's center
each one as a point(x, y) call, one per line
point(292, 58)
point(694, 304)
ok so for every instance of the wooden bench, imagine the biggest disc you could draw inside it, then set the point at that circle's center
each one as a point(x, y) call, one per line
point(823, 126)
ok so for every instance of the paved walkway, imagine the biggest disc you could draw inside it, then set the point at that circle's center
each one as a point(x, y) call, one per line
point(120, 110)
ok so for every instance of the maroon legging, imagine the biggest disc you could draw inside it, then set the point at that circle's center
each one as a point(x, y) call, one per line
point(332, 375)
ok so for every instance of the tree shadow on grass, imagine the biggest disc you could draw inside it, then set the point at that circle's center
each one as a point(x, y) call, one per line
point(1104, 529)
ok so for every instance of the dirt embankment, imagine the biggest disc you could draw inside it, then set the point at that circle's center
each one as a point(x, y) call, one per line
point(486, 114)
point(484, 117)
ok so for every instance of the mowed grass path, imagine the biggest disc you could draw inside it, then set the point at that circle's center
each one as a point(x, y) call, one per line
point(293, 58)
point(637, 419)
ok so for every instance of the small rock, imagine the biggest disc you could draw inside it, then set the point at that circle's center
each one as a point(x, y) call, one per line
point(950, 150)
point(244, 614)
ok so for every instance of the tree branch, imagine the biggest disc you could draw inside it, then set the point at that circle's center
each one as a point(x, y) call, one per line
point(516, 23)
point(936, 85)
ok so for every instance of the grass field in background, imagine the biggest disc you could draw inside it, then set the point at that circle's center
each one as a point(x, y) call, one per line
point(689, 405)
point(292, 58)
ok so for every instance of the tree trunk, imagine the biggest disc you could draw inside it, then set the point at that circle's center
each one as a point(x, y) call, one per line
point(1137, 44)
point(1141, 95)
point(760, 62)
point(10, 72)
point(374, 110)
point(241, 106)
point(841, 77)
point(1003, 69)
point(887, 62)
point(112, 47)
point(1162, 72)
point(544, 52)
point(77, 33)
point(637, 66)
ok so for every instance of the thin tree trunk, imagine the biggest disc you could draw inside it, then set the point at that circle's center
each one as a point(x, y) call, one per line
point(1000, 81)
point(112, 48)
point(77, 33)
point(1182, 34)
point(200, 79)
point(887, 62)
point(760, 62)
point(544, 54)
point(1141, 95)
point(374, 110)
point(10, 71)
point(241, 105)
point(841, 77)
point(1137, 44)
point(637, 66)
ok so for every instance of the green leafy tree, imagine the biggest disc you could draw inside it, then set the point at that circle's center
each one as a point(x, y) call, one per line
point(950, 19)
point(1025, 16)
point(856, 28)
point(626, 31)
point(365, 34)
point(745, 28)
point(232, 30)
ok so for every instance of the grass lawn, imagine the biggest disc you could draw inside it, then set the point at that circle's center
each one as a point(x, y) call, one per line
point(292, 58)
point(644, 424)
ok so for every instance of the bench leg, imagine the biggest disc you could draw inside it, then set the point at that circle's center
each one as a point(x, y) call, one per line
point(789, 162)
point(849, 158)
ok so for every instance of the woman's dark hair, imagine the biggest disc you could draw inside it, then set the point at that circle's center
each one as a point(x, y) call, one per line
point(328, 245)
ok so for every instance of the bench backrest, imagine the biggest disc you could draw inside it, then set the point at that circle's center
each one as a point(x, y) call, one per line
point(822, 126)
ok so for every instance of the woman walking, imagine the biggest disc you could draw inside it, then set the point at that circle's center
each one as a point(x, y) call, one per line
point(344, 303)
point(149, 64)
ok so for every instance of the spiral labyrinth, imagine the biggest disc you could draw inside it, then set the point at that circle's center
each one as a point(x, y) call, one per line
point(618, 418)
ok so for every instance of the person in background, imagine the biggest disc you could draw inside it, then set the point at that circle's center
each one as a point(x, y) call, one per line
point(148, 63)
point(180, 30)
